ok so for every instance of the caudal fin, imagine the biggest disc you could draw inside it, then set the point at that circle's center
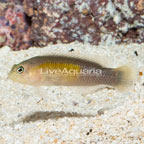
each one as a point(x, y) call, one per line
point(127, 76)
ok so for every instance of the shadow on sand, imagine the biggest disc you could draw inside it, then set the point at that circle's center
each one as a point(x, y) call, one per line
point(40, 115)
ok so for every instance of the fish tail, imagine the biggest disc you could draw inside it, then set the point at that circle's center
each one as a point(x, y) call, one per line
point(127, 75)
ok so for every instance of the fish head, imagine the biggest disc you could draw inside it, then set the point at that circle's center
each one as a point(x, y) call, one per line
point(21, 73)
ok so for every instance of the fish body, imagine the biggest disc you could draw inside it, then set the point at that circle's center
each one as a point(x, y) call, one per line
point(57, 70)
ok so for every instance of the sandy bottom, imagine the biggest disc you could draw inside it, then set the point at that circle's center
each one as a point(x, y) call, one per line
point(56, 115)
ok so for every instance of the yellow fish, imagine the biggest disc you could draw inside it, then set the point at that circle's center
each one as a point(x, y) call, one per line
point(58, 70)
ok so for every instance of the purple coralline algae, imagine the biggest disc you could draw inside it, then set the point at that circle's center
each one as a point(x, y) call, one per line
point(14, 30)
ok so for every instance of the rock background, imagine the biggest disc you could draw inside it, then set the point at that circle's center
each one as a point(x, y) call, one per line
point(90, 21)
point(14, 27)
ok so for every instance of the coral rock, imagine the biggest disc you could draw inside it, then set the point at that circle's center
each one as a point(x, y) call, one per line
point(92, 21)
point(14, 29)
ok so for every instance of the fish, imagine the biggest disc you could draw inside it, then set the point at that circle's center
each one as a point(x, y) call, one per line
point(62, 70)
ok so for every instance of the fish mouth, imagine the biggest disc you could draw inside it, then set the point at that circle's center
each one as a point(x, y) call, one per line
point(12, 77)
point(9, 75)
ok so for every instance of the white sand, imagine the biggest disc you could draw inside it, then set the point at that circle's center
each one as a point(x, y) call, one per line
point(55, 115)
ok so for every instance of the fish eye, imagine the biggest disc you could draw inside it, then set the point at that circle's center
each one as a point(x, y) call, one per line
point(20, 69)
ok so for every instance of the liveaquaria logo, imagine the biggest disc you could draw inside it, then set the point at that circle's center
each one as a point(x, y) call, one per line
point(71, 72)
